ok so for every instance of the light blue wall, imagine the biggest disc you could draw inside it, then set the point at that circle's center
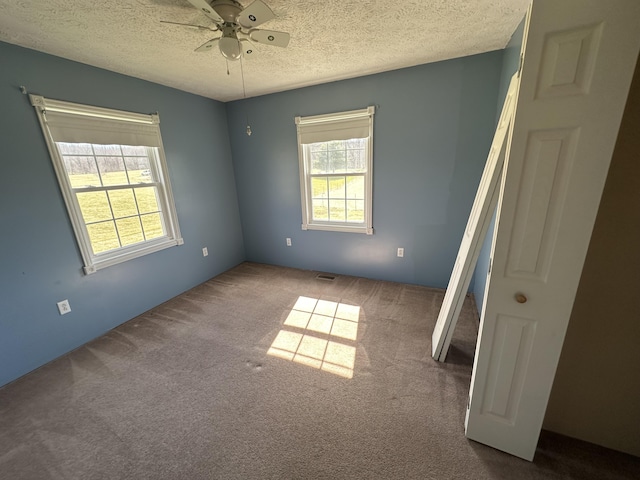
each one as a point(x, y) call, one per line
point(511, 60)
point(433, 128)
point(39, 261)
point(432, 131)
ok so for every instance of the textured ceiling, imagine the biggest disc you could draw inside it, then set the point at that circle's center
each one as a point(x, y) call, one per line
point(330, 39)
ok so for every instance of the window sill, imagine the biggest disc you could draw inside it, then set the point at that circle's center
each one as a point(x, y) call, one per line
point(114, 259)
point(338, 228)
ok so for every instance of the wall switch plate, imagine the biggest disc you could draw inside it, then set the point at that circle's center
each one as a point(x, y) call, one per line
point(205, 251)
point(64, 307)
point(288, 242)
point(400, 252)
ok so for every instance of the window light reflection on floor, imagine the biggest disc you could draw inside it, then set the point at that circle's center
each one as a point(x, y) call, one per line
point(299, 342)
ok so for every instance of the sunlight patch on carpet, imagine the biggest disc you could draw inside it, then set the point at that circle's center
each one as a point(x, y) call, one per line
point(314, 334)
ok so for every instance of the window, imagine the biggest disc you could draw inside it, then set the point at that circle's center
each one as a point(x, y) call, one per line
point(113, 175)
point(336, 169)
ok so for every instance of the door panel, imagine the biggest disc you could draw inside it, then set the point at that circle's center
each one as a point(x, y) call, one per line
point(513, 338)
point(548, 163)
point(579, 57)
point(475, 232)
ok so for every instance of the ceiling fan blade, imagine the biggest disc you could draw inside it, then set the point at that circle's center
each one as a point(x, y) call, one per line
point(247, 48)
point(269, 37)
point(255, 14)
point(199, 27)
point(205, 8)
point(205, 47)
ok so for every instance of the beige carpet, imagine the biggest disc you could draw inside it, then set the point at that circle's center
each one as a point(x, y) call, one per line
point(271, 373)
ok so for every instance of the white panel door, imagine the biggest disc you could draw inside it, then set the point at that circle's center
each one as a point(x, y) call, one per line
point(477, 226)
point(578, 64)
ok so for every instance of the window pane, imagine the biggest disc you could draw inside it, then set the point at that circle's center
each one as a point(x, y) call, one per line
point(138, 169)
point(337, 211)
point(320, 209)
point(134, 151)
point(74, 148)
point(147, 200)
point(346, 195)
point(337, 160)
point(103, 236)
point(355, 211)
point(338, 156)
point(82, 171)
point(152, 226)
point(130, 230)
point(319, 186)
point(123, 203)
point(335, 145)
point(109, 150)
point(356, 143)
point(356, 160)
point(94, 206)
point(337, 187)
point(319, 162)
point(318, 147)
point(112, 170)
point(355, 187)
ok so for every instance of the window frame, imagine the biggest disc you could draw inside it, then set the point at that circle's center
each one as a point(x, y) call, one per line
point(304, 160)
point(157, 163)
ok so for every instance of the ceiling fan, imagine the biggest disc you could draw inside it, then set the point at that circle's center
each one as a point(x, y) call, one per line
point(238, 27)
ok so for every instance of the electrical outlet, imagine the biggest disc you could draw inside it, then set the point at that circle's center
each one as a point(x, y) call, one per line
point(288, 242)
point(205, 251)
point(400, 252)
point(64, 307)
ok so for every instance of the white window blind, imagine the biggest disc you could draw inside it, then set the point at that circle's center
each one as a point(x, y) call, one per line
point(74, 128)
point(325, 128)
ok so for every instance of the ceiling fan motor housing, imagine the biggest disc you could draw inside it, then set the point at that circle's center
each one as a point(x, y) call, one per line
point(227, 9)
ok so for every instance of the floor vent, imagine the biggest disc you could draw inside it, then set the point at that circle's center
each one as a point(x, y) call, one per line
point(323, 276)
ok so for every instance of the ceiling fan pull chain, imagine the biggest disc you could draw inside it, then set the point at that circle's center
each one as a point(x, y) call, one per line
point(244, 91)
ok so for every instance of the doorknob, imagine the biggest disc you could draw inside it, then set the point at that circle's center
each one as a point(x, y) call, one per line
point(521, 298)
